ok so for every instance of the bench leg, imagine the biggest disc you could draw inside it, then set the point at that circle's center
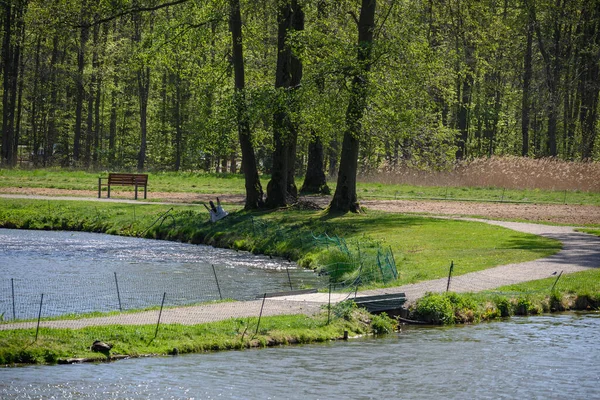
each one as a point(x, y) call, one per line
point(145, 191)
point(136, 187)
point(108, 191)
point(99, 187)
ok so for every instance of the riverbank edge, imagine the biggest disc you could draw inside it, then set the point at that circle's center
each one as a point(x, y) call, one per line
point(461, 314)
point(71, 346)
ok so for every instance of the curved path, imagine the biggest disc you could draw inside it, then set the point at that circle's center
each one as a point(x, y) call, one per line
point(580, 252)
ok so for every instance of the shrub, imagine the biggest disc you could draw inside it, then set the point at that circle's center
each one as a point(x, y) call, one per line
point(382, 324)
point(434, 308)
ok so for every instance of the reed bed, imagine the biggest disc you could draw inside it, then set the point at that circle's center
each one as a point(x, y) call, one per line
point(500, 172)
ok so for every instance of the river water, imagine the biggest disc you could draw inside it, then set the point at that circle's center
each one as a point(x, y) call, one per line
point(542, 357)
point(81, 272)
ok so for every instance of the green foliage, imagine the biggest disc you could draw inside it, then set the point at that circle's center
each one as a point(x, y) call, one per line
point(18, 347)
point(382, 324)
point(577, 291)
point(421, 246)
point(344, 309)
point(434, 308)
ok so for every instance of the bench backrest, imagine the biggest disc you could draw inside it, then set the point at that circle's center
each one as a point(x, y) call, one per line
point(127, 179)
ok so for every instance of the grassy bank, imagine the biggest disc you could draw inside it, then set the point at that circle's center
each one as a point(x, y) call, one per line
point(73, 345)
point(423, 248)
point(578, 291)
point(379, 186)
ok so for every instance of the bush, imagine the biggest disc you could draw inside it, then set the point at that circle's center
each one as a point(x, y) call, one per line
point(382, 324)
point(434, 308)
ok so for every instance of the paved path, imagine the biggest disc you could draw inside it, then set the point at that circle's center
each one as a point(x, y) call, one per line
point(580, 252)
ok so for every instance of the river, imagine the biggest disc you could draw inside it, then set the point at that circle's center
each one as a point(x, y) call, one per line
point(542, 357)
point(79, 272)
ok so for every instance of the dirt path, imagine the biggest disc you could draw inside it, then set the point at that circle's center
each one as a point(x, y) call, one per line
point(550, 213)
point(580, 252)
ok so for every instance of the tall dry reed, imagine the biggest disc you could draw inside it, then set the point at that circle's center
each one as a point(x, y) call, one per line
point(502, 172)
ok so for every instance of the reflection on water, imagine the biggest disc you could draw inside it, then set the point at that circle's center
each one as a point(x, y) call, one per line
point(545, 357)
point(80, 272)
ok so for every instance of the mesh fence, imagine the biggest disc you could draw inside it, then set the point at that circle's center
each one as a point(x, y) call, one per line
point(20, 298)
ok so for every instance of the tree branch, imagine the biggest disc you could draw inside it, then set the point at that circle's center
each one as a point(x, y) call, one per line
point(130, 11)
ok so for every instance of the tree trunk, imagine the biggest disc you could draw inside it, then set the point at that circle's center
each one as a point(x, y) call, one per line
point(51, 132)
point(11, 48)
point(254, 192)
point(589, 87)
point(83, 38)
point(315, 181)
point(281, 188)
point(143, 78)
point(345, 198)
point(464, 101)
point(527, 73)
point(143, 83)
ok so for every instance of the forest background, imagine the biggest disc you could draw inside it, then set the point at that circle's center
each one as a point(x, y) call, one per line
point(297, 87)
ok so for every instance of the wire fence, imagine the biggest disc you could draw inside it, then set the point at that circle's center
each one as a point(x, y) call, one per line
point(20, 298)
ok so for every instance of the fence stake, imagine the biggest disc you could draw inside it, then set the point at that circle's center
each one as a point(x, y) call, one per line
point(556, 281)
point(395, 269)
point(503, 190)
point(260, 315)
point(39, 317)
point(289, 279)
point(160, 313)
point(217, 280)
point(12, 286)
point(565, 198)
point(329, 306)
point(118, 293)
point(450, 275)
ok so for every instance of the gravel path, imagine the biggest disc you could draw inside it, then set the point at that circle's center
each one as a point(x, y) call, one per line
point(580, 252)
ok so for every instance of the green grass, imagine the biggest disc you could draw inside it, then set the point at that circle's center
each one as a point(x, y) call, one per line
point(52, 345)
point(423, 247)
point(577, 291)
point(590, 231)
point(210, 183)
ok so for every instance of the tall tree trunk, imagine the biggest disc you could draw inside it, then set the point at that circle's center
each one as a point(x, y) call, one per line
point(254, 192)
point(83, 38)
point(527, 73)
point(296, 80)
point(11, 49)
point(589, 85)
point(287, 78)
point(112, 129)
point(344, 198)
point(553, 68)
point(143, 79)
point(51, 132)
point(464, 101)
point(35, 138)
point(178, 131)
point(315, 180)
point(143, 85)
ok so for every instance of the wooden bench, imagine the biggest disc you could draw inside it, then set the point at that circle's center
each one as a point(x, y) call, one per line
point(136, 180)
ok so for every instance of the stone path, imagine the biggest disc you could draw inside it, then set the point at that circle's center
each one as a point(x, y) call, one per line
point(580, 252)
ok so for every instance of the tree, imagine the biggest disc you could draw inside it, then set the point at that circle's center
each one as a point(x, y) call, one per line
point(11, 53)
point(254, 193)
point(344, 198)
point(288, 75)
